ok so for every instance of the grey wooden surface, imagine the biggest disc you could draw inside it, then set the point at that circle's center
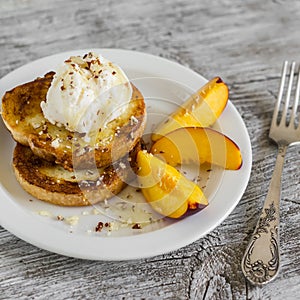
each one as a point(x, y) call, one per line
point(245, 43)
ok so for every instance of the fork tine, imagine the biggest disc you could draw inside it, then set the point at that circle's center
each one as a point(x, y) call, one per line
point(288, 95)
point(295, 105)
point(280, 94)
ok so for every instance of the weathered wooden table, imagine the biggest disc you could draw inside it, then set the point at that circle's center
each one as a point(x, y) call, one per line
point(244, 43)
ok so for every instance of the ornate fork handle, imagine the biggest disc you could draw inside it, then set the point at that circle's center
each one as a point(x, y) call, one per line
point(260, 263)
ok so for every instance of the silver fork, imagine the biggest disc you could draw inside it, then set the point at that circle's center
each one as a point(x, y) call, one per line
point(260, 263)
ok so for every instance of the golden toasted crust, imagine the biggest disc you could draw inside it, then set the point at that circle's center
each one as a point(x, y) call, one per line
point(23, 117)
point(52, 183)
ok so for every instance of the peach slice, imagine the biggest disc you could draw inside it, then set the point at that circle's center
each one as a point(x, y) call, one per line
point(198, 145)
point(167, 191)
point(201, 109)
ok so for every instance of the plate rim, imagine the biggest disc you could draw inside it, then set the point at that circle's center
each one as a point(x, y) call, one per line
point(150, 242)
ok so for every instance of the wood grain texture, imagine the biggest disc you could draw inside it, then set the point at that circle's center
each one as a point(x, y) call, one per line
point(244, 43)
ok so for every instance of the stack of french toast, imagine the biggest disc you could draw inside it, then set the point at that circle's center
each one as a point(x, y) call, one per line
point(60, 166)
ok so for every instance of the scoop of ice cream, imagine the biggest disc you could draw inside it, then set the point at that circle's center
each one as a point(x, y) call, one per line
point(87, 93)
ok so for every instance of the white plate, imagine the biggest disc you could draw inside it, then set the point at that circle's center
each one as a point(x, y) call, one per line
point(163, 83)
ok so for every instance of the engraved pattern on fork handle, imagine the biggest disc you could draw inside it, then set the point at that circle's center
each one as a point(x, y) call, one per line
point(260, 263)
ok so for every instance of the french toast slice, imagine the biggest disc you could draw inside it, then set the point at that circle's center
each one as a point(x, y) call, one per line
point(22, 115)
point(52, 183)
